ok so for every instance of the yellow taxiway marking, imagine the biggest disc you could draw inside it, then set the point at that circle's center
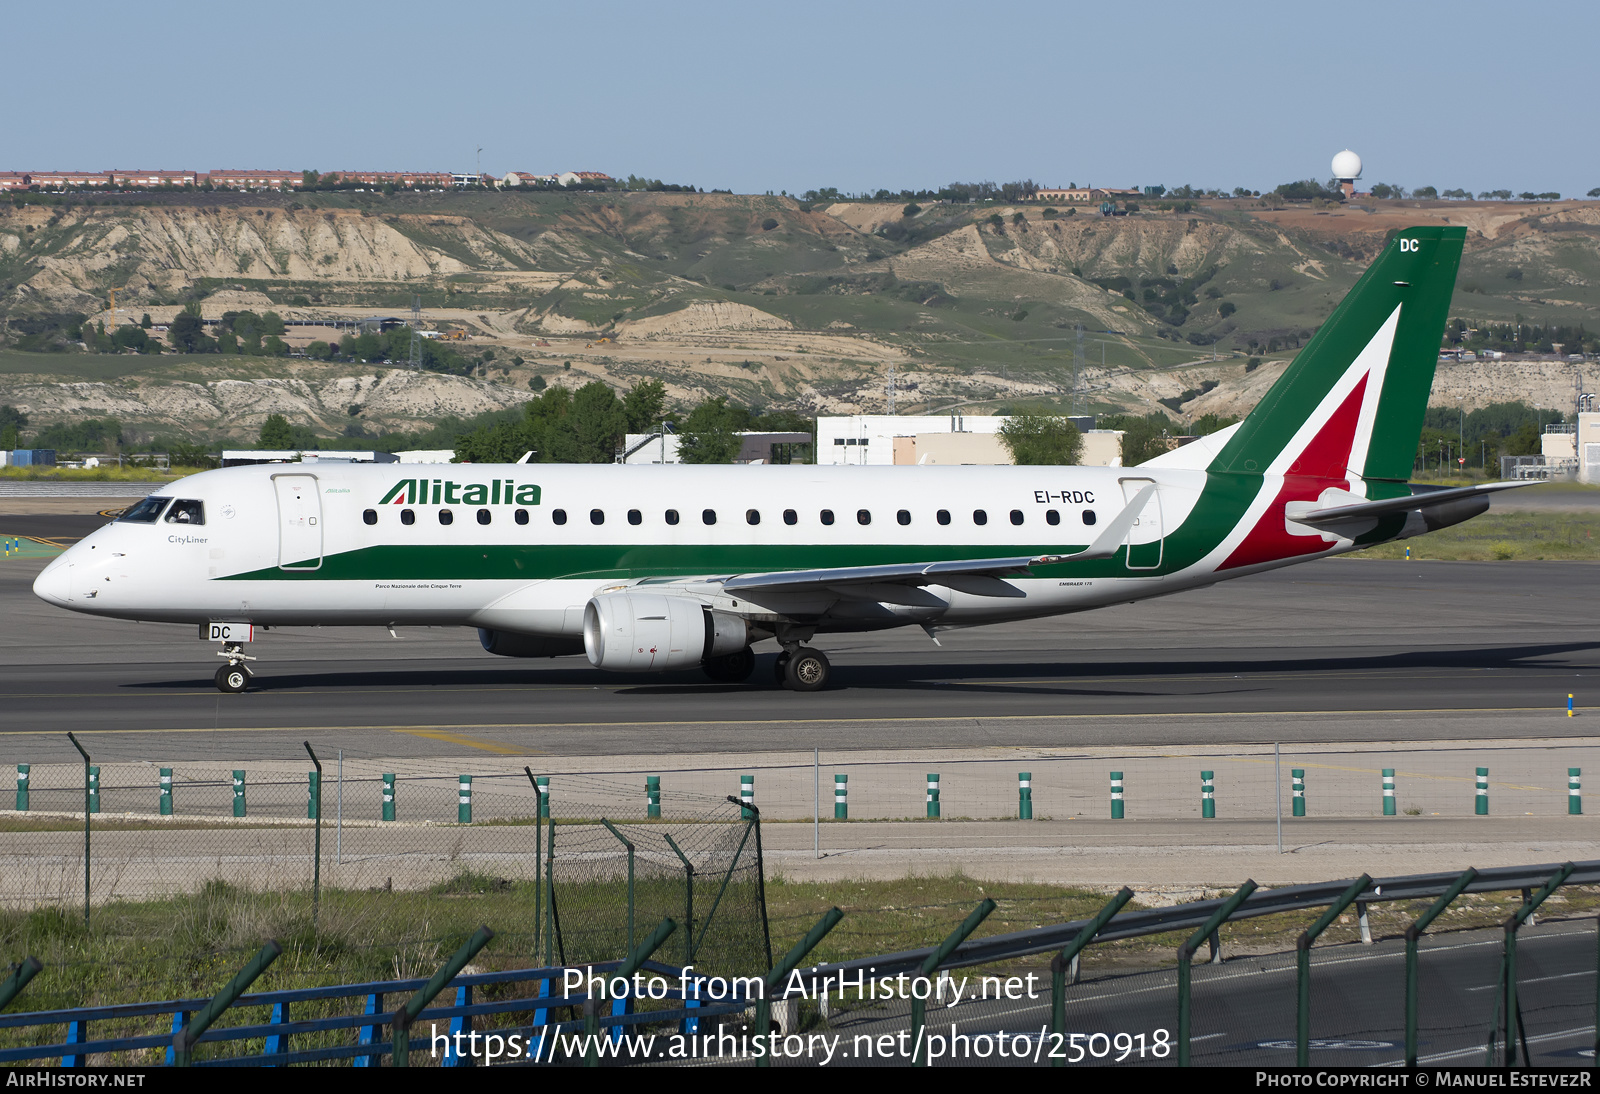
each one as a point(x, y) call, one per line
point(918, 720)
point(469, 742)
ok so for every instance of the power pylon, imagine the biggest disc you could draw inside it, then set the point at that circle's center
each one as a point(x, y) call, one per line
point(416, 332)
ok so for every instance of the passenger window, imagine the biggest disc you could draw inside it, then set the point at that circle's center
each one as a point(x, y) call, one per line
point(635, 517)
point(752, 516)
point(903, 516)
point(708, 516)
point(558, 516)
point(1016, 516)
point(942, 516)
point(521, 516)
point(980, 517)
point(407, 516)
point(1088, 516)
point(1052, 517)
point(446, 517)
point(827, 516)
point(791, 517)
point(187, 512)
point(145, 512)
point(484, 516)
point(863, 516)
point(597, 516)
point(672, 516)
point(369, 516)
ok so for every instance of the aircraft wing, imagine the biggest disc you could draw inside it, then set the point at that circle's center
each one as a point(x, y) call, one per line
point(979, 576)
point(1368, 510)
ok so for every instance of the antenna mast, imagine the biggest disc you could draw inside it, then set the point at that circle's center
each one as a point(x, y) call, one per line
point(416, 332)
point(1077, 367)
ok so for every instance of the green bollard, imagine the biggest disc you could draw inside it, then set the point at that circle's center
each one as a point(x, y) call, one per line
point(747, 795)
point(1208, 795)
point(1299, 791)
point(1574, 792)
point(312, 795)
point(238, 793)
point(1480, 804)
point(166, 791)
point(652, 796)
point(94, 789)
point(543, 782)
point(1024, 795)
point(22, 787)
point(464, 799)
point(1388, 791)
point(1116, 795)
point(388, 796)
point(841, 797)
point(933, 795)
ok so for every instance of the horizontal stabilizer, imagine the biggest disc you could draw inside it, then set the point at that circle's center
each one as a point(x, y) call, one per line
point(1370, 510)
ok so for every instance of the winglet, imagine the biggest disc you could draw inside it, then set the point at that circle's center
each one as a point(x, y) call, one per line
point(1107, 542)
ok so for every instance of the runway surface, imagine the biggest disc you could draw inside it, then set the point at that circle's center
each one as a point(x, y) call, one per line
point(1337, 650)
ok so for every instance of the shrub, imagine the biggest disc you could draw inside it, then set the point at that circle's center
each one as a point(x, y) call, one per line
point(768, 224)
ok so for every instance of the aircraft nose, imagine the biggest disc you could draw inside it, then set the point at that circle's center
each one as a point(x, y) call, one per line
point(54, 583)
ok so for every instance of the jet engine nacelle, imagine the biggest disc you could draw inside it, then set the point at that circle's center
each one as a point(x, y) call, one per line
point(649, 632)
point(511, 644)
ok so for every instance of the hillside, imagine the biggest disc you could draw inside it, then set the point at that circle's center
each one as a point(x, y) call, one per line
point(762, 299)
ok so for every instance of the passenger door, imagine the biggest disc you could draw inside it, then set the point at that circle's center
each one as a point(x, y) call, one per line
point(299, 522)
point(1145, 537)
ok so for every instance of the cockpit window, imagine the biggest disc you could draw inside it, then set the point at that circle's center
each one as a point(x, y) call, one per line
point(145, 512)
point(185, 511)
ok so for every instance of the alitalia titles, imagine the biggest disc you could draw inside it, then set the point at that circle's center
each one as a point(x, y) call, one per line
point(448, 492)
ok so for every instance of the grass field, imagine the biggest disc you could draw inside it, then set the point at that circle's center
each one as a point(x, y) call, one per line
point(1504, 537)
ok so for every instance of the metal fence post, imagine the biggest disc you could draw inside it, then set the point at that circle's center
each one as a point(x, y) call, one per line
point(388, 796)
point(1024, 795)
point(1302, 1033)
point(1069, 954)
point(933, 795)
point(841, 797)
point(166, 791)
point(1116, 795)
point(630, 965)
point(1480, 804)
point(316, 852)
point(238, 792)
point(625, 842)
point(184, 1040)
point(1298, 792)
point(90, 792)
point(688, 903)
point(1208, 795)
point(919, 1007)
point(401, 1022)
point(22, 787)
point(313, 792)
point(1413, 933)
point(1186, 955)
point(747, 795)
point(779, 972)
point(27, 970)
point(543, 784)
point(1512, 924)
point(464, 799)
point(538, 859)
point(1388, 792)
point(652, 796)
point(1574, 791)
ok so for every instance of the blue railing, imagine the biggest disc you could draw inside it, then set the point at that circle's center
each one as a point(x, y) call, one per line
point(369, 1020)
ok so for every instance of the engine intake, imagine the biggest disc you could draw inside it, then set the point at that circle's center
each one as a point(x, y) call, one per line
point(652, 632)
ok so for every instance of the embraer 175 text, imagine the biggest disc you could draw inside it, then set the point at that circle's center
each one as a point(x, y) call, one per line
point(648, 568)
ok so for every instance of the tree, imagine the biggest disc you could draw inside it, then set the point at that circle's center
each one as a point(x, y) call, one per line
point(1425, 193)
point(186, 334)
point(911, 210)
point(769, 224)
point(1038, 439)
point(1142, 438)
point(643, 404)
point(1595, 193)
point(597, 423)
point(145, 322)
point(275, 433)
point(711, 432)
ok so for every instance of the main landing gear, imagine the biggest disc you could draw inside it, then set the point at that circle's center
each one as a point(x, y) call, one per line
point(235, 676)
point(735, 668)
point(803, 669)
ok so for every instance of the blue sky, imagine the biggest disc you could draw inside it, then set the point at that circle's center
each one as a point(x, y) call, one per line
point(760, 97)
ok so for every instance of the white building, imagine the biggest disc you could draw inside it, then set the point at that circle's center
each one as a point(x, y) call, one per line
point(941, 439)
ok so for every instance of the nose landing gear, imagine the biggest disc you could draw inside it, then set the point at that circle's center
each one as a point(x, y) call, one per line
point(235, 676)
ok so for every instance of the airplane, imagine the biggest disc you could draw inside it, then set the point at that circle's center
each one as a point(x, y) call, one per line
point(648, 568)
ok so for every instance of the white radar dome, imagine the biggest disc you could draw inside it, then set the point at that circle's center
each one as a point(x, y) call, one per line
point(1347, 165)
